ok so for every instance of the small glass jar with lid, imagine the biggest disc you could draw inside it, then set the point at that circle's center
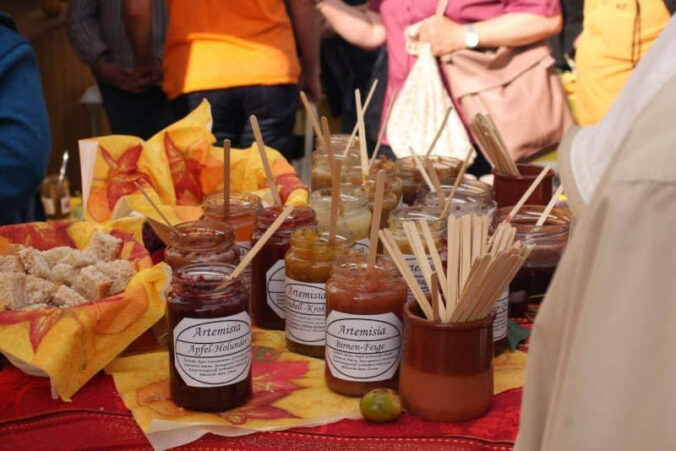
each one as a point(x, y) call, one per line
point(354, 213)
point(201, 241)
point(308, 265)
point(210, 345)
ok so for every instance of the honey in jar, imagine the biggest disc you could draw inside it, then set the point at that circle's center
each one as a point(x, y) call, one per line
point(363, 325)
point(437, 227)
point(201, 241)
point(354, 213)
point(267, 267)
point(308, 266)
point(210, 345)
point(241, 217)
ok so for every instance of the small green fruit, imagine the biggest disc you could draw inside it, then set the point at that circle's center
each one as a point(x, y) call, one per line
point(380, 405)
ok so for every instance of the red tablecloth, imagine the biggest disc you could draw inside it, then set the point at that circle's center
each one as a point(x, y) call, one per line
point(97, 418)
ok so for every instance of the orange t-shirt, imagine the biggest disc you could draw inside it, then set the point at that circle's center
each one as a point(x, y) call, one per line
point(217, 44)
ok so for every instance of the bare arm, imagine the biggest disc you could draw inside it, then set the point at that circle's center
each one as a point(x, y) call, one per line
point(138, 22)
point(511, 30)
point(358, 26)
point(305, 20)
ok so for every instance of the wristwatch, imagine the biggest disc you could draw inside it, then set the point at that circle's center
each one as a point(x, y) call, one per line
point(471, 37)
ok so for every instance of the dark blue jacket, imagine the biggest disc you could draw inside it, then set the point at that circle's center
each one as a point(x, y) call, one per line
point(24, 129)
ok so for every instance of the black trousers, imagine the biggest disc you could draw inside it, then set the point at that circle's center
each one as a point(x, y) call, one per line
point(140, 115)
point(274, 107)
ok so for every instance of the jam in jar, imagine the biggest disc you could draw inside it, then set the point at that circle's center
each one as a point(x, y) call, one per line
point(354, 213)
point(308, 266)
point(267, 267)
point(363, 325)
point(201, 241)
point(241, 217)
point(445, 167)
point(210, 345)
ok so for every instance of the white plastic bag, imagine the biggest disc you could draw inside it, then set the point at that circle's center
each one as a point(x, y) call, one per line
point(419, 110)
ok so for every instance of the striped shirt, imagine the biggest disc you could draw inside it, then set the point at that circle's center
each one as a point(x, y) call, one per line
point(97, 26)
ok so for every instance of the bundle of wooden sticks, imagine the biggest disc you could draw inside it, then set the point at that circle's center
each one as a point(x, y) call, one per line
point(478, 269)
point(492, 145)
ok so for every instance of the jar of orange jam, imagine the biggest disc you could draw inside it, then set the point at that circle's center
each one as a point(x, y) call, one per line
point(363, 325)
point(320, 173)
point(241, 217)
point(267, 267)
point(308, 266)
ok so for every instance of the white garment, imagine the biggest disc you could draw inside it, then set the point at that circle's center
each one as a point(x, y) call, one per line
point(593, 147)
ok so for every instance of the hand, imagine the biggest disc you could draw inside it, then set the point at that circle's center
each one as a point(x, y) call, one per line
point(150, 73)
point(310, 83)
point(444, 35)
point(121, 77)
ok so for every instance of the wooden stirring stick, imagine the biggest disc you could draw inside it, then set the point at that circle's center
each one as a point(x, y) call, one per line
point(362, 139)
point(458, 181)
point(259, 244)
point(527, 194)
point(335, 200)
point(313, 118)
point(226, 178)
point(264, 158)
point(439, 131)
point(434, 178)
point(369, 96)
point(157, 209)
point(434, 297)
point(383, 128)
point(327, 140)
point(375, 223)
point(421, 169)
point(548, 209)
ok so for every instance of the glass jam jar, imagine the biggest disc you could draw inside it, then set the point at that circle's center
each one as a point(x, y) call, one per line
point(550, 242)
point(308, 266)
point(363, 325)
point(210, 345)
point(393, 183)
point(446, 167)
point(241, 217)
point(267, 267)
point(201, 241)
point(320, 173)
point(471, 197)
point(438, 228)
point(55, 196)
point(354, 213)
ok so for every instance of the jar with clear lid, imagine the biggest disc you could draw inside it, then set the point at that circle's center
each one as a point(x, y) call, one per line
point(201, 241)
point(267, 268)
point(445, 167)
point(471, 197)
point(241, 216)
point(437, 226)
point(363, 325)
point(354, 213)
point(308, 266)
point(210, 345)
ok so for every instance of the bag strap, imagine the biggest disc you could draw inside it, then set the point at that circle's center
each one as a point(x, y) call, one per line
point(441, 7)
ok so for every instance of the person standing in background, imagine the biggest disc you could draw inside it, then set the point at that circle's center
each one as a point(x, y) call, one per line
point(239, 55)
point(615, 36)
point(24, 127)
point(134, 103)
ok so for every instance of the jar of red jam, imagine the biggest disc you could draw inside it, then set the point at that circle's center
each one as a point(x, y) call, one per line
point(201, 241)
point(210, 345)
point(241, 217)
point(363, 325)
point(267, 267)
point(308, 266)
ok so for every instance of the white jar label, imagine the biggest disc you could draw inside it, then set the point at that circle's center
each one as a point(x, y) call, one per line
point(274, 287)
point(362, 245)
point(364, 348)
point(501, 316)
point(305, 312)
point(213, 352)
point(48, 204)
point(417, 273)
point(65, 205)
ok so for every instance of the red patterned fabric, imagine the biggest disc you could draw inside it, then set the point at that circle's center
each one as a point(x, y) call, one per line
point(97, 418)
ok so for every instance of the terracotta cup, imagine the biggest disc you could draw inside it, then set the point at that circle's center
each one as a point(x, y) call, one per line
point(509, 189)
point(446, 368)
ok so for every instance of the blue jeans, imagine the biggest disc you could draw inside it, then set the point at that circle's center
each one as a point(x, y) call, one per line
point(274, 106)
